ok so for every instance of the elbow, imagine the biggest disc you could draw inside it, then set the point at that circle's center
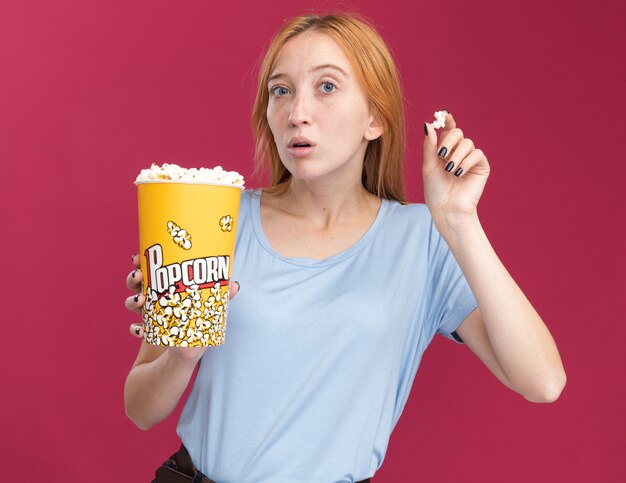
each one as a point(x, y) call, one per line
point(135, 415)
point(143, 425)
point(134, 411)
point(550, 391)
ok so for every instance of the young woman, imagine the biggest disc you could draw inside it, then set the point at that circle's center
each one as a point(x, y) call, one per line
point(344, 283)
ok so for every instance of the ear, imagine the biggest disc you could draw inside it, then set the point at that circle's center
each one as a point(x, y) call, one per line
point(374, 128)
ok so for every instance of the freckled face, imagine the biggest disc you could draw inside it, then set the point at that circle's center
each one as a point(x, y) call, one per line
point(315, 99)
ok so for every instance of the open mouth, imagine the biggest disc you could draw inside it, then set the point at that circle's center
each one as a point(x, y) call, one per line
point(300, 142)
point(300, 147)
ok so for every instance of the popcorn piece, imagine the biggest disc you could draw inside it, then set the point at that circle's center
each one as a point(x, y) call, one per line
point(440, 119)
point(226, 223)
point(180, 236)
point(174, 172)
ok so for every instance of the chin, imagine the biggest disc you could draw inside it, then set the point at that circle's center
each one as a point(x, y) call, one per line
point(309, 168)
point(308, 173)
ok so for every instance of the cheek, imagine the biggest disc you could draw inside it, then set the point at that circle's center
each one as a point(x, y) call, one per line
point(272, 120)
point(351, 115)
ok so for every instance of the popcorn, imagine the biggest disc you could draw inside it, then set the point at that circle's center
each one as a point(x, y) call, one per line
point(180, 236)
point(183, 319)
point(440, 119)
point(226, 223)
point(173, 172)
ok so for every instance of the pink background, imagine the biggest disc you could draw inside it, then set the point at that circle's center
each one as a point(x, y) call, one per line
point(91, 92)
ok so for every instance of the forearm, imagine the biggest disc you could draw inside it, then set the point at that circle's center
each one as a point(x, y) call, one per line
point(522, 343)
point(153, 389)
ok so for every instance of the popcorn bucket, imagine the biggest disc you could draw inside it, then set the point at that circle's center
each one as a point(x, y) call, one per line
point(186, 241)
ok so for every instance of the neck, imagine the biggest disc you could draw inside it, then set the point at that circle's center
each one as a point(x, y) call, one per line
point(326, 205)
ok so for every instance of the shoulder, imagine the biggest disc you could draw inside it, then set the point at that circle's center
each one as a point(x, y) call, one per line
point(245, 208)
point(417, 213)
point(409, 223)
point(249, 193)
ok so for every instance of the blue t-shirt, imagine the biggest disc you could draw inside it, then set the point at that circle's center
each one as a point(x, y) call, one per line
point(320, 355)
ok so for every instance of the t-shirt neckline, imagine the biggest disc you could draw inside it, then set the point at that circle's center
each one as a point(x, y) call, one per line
point(255, 201)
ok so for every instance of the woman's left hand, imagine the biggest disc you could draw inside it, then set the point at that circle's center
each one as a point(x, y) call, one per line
point(453, 193)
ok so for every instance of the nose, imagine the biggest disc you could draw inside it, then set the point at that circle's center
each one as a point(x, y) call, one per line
point(299, 112)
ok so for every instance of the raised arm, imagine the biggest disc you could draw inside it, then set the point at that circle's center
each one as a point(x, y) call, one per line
point(505, 331)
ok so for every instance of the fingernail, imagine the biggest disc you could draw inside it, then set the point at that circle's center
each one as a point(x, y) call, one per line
point(132, 257)
point(425, 129)
point(458, 172)
point(136, 298)
point(137, 329)
point(442, 152)
point(133, 274)
point(238, 285)
point(449, 166)
point(447, 111)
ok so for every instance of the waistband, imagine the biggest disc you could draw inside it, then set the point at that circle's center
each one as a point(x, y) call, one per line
point(181, 461)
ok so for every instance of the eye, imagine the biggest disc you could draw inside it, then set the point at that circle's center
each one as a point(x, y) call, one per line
point(327, 87)
point(279, 91)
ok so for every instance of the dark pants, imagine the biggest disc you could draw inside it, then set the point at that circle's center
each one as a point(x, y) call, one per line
point(184, 469)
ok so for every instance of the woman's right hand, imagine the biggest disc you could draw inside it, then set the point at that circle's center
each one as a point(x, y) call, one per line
point(135, 303)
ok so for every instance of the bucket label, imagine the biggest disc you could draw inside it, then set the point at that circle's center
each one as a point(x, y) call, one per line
point(186, 303)
point(203, 272)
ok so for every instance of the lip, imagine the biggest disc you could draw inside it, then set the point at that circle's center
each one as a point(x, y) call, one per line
point(299, 140)
point(302, 151)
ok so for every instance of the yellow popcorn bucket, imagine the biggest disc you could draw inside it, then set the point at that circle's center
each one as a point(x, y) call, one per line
point(186, 241)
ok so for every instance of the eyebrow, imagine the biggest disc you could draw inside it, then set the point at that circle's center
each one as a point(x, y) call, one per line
point(314, 69)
